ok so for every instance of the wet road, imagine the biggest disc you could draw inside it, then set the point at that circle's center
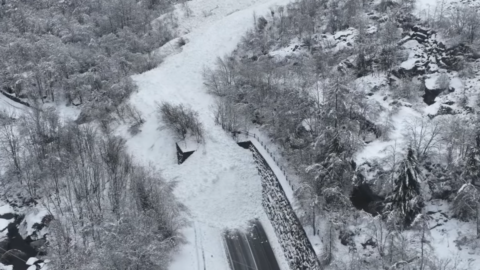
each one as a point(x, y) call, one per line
point(250, 250)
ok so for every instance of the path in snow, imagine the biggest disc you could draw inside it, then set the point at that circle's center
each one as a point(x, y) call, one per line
point(219, 183)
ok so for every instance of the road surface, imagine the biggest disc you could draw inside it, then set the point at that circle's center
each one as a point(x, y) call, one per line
point(250, 250)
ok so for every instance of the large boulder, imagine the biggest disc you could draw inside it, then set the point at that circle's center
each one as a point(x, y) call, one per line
point(15, 257)
point(3, 247)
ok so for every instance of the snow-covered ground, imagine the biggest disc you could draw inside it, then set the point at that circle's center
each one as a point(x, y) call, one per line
point(219, 183)
point(11, 108)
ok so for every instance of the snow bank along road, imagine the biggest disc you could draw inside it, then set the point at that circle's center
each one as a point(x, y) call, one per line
point(218, 184)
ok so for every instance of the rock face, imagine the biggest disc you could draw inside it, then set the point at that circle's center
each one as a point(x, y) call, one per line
point(15, 250)
point(16, 258)
point(430, 95)
point(363, 198)
point(429, 57)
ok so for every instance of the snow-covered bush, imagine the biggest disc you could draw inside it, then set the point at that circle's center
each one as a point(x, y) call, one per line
point(182, 120)
point(468, 71)
point(465, 203)
point(232, 117)
point(261, 23)
point(407, 89)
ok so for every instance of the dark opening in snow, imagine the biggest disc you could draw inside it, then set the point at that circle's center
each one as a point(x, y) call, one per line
point(182, 155)
point(15, 251)
point(430, 95)
point(363, 198)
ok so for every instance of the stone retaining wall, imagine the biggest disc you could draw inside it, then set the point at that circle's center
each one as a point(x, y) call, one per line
point(291, 235)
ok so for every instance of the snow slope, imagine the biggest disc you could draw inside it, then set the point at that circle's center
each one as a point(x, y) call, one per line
point(10, 107)
point(219, 183)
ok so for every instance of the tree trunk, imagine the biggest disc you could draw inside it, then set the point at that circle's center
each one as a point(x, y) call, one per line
point(313, 220)
point(478, 219)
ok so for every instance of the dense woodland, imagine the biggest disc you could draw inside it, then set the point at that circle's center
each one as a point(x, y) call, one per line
point(80, 52)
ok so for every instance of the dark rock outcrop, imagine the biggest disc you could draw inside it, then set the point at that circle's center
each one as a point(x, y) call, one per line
point(363, 198)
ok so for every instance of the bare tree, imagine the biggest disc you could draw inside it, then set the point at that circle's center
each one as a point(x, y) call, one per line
point(465, 22)
point(329, 246)
point(423, 135)
point(10, 144)
point(466, 204)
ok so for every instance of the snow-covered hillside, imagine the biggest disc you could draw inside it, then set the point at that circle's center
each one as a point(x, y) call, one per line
point(340, 90)
point(219, 183)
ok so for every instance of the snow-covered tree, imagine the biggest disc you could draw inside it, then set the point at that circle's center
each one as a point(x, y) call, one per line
point(406, 200)
point(333, 176)
point(423, 135)
point(466, 202)
point(472, 165)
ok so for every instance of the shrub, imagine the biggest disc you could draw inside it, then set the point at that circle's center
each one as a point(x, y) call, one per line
point(407, 89)
point(182, 120)
point(443, 81)
point(181, 42)
point(261, 23)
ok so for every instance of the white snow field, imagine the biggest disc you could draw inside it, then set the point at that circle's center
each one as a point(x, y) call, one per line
point(10, 107)
point(219, 183)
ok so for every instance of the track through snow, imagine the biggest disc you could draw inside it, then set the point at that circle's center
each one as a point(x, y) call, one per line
point(219, 183)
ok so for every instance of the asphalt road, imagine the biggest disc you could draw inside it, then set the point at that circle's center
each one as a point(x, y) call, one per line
point(250, 250)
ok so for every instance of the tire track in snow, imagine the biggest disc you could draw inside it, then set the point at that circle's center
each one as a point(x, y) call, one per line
point(196, 245)
point(203, 250)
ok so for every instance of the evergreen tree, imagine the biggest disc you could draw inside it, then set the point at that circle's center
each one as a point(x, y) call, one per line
point(333, 176)
point(472, 169)
point(406, 201)
point(466, 202)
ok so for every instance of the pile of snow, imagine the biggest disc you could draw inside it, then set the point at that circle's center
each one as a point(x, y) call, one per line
point(379, 149)
point(295, 48)
point(431, 81)
point(188, 145)
point(6, 267)
point(33, 216)
point(5, 209)
point(36, 264)
point(340, 40)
